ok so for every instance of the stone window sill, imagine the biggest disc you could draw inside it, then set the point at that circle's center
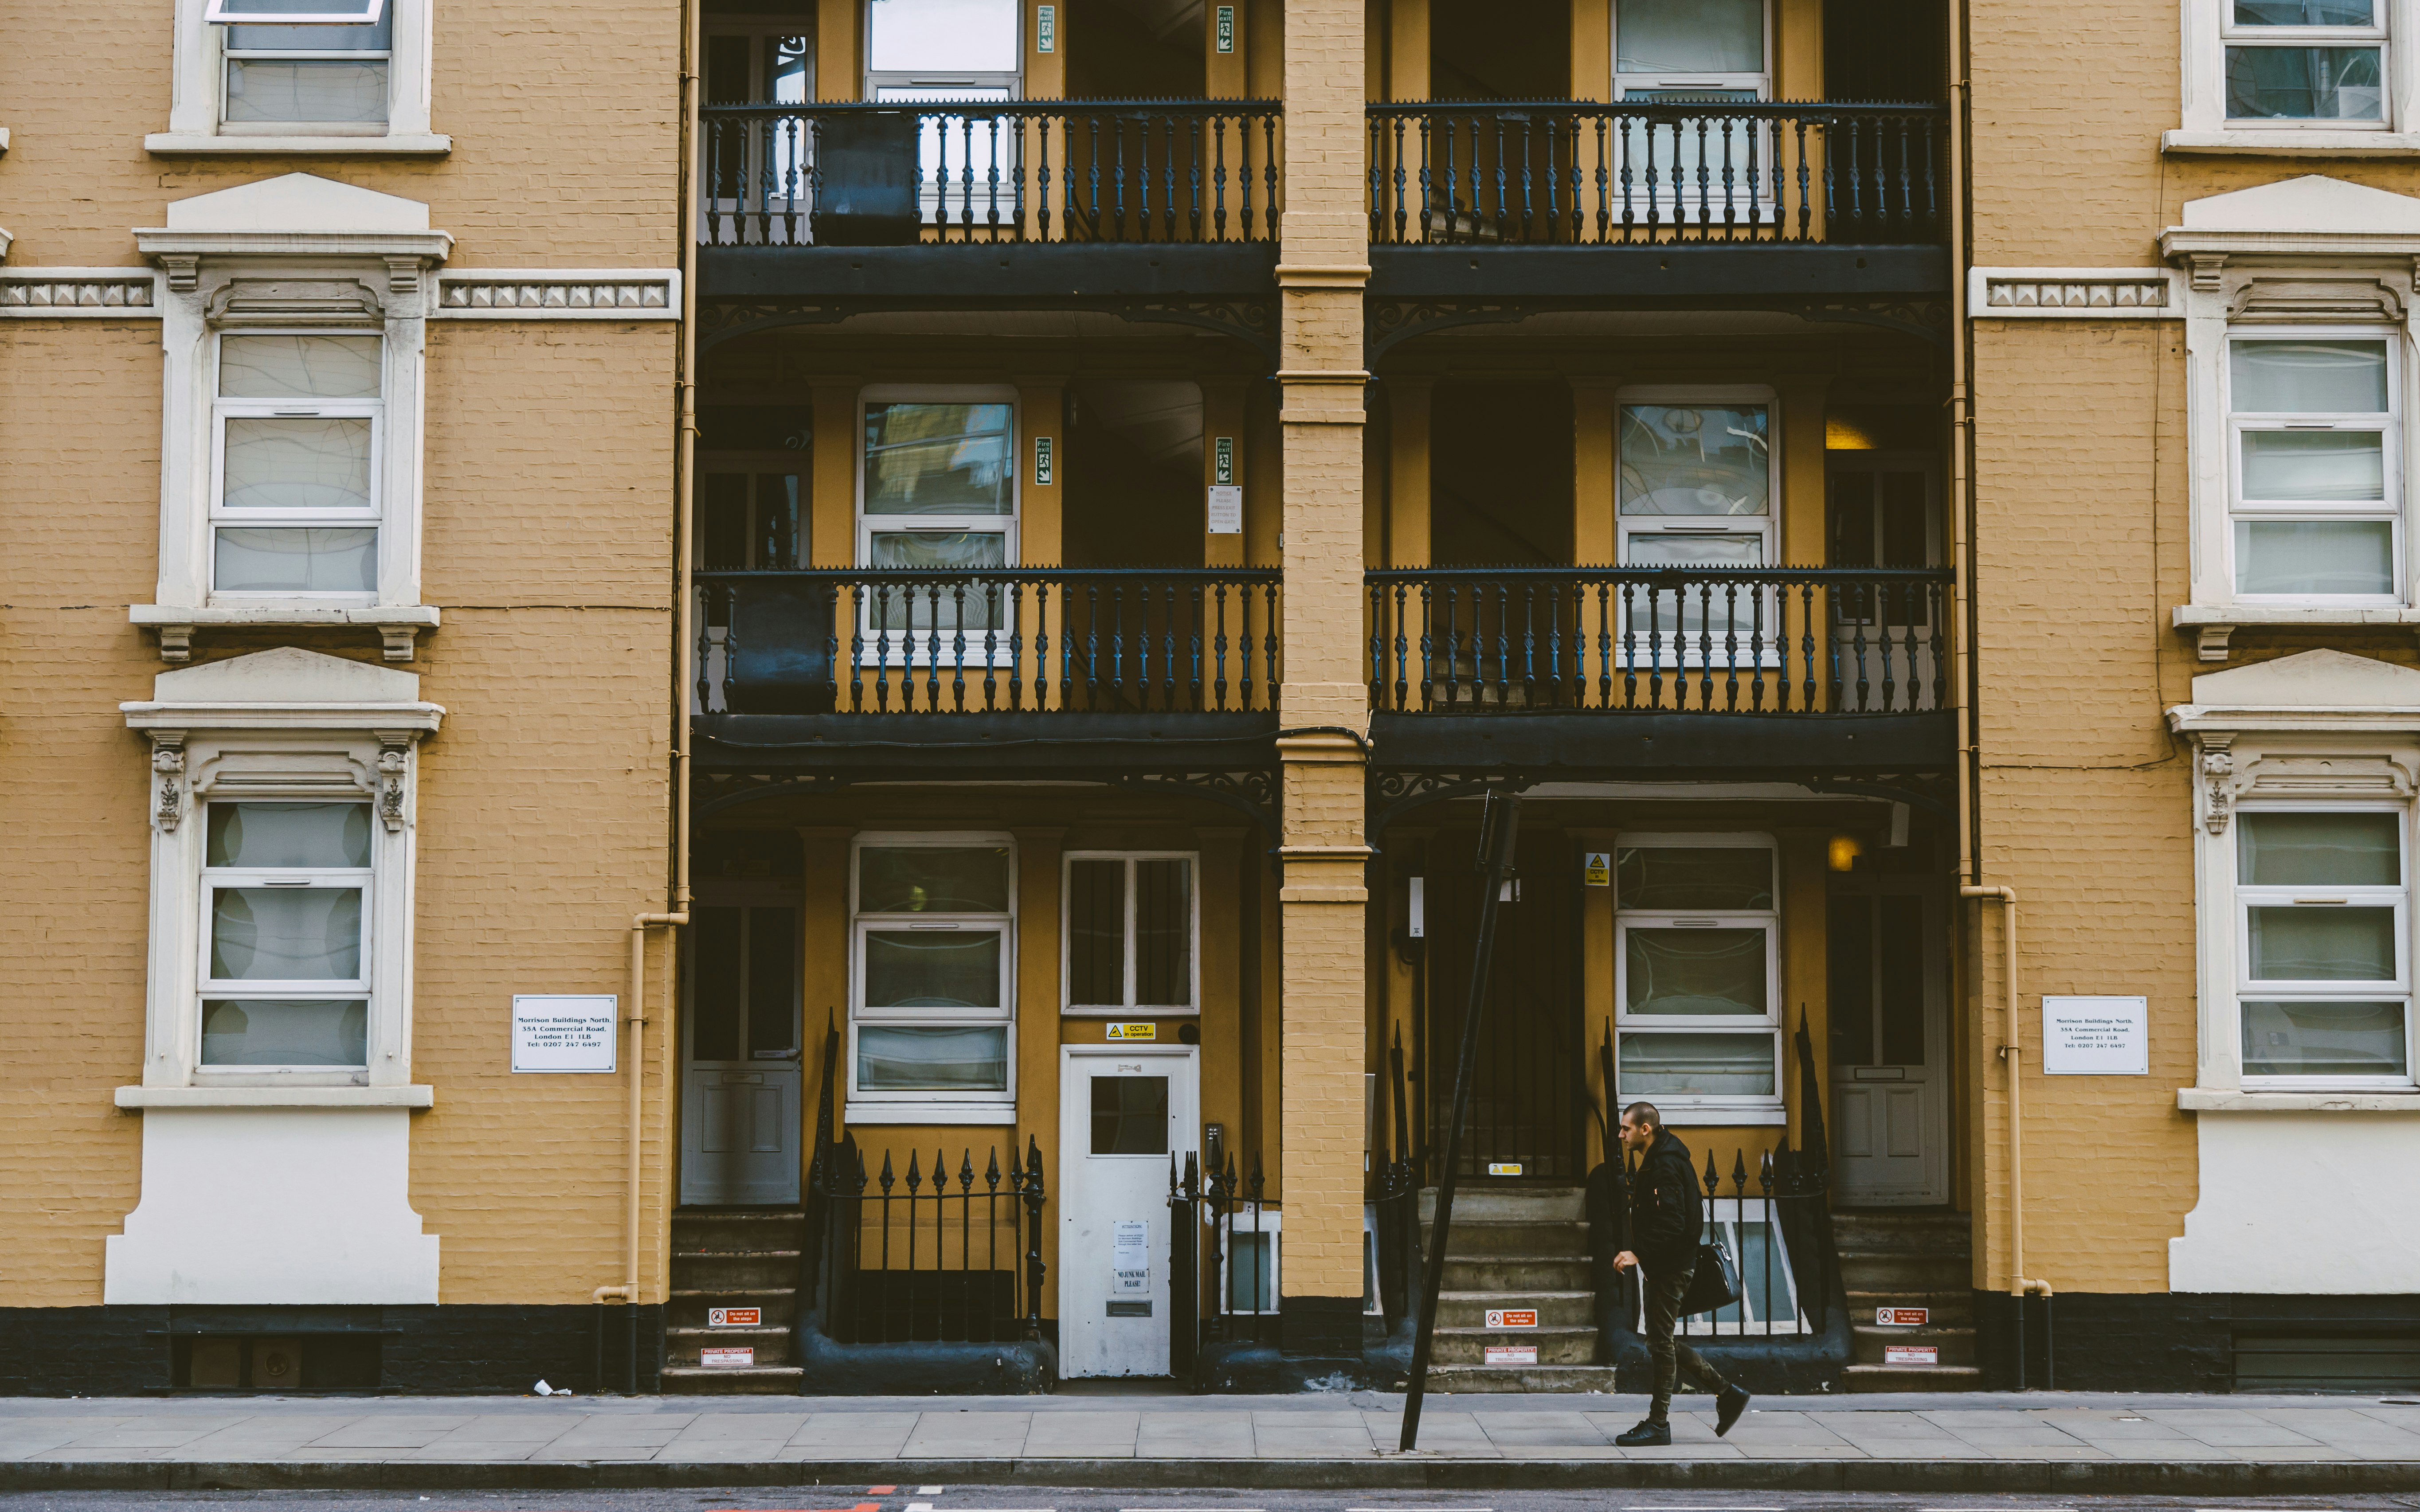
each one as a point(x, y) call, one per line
point(404, 145)
point(276, 1097)
point(2289, 143)
point(930, 1113)
point(398, 624)
point(2212, 623)
point(2204, 1099)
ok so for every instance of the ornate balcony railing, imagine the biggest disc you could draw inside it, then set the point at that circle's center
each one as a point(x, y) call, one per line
point(1583, 174)
point(1082, 639)
point(1462, 641)
point(989, 170)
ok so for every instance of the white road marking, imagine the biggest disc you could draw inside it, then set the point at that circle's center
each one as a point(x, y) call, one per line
point(930, 1490)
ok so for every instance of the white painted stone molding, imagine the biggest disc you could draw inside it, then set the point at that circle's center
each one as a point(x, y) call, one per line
point(2306, 219)
point(2073, 294)
point(559, 294)
point(2320, 691)
point(288, 689)
point(48, 293)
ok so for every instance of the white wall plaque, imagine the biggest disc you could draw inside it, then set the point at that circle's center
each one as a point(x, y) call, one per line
point(1226, 509)
point(556, 1031)
point(2096, 1037)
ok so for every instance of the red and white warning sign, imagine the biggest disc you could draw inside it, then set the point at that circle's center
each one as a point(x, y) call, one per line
point(735, 1318)
point(1910, 1354)
point(1901, 1317)
point(735, 1357)
point(1509, 1354)
point(1512, 1317)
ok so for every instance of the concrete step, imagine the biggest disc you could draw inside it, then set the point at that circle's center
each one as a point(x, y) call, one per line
point(1555, 1346)
point(1950, 1308)
point(1499, 1236)
point(738, 1228)
point(686, 1308)
point(1957, 1345)
point(1516, 1204)
point(1521, 1377)
point(773, 1345)
point(774, 1380)
point(1928, 1229)
point(1469, 1309)
point(1517, 1272)
point(735, 1270)
point(1905, 1275)
point(1863, 1378)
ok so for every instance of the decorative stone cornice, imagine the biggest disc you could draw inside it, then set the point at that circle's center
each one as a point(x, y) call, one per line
point(119, 293)
point(559, 294)
point(2072, 293)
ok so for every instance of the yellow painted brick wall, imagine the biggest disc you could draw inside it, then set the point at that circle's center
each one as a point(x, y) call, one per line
point(563, 116)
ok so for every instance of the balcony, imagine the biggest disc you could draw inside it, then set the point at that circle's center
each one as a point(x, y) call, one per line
point(1015, 671)
point(1019, 201)
point(1648, 204)
point(1782, 671)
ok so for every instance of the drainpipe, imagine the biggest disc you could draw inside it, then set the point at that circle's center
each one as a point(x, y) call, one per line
point(2020, 1285)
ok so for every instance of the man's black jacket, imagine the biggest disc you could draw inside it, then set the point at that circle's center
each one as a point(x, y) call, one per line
point(1667, 1212)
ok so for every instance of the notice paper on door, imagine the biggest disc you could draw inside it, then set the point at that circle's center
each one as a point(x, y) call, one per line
point(1130, 1254)
point(1509, 1354)
point(1910, 1354)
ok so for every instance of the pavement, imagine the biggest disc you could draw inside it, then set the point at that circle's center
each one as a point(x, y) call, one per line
point(2028, 1443)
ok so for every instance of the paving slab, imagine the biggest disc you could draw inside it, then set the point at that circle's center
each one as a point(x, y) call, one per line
point(1167, 1435)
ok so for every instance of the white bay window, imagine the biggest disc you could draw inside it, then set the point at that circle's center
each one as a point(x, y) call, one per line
point(2322, 896)
point(286, 966)
point(295, 505)
point(932, 959)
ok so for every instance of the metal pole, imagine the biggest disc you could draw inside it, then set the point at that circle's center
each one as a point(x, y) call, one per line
point(1499, 822)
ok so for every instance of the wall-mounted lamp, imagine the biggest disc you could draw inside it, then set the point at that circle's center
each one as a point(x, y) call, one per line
point(1843, 853)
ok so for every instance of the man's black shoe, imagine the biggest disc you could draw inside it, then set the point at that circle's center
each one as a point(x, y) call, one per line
point(1727, 1408)
point(1648, 1431)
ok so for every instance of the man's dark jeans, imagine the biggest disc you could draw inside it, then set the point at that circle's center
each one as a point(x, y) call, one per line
point(1670, 1356)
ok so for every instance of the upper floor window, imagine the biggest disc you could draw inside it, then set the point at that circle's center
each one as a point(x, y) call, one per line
point(938, 484)
point(305, 66)
point(932, 961)
point(295, 505)
point(758, 63)
point(285, 968)
point(1690, 50)
point(1697, 1019)
point(2305, 60)
point(943, 48)
point(1695, 483)
point(2315, 495)
point(2322, 896)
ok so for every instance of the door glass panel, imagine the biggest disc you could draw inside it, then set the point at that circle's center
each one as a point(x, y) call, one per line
point(1654, 1065)
point(1898, 949)
point(1164, 932)
point(2322, 944)
point(1129, 1115)
point(728, 79)
point(892, 1057)
point(772, 986)
point(295, 1032)
point(932, 879)
point(1850, 961)
point(1719, 971)
point(1096, 917)
point(290, 834)
point(723, 522)
point(2324, 1039)
point(714, 1017)
point(956, 970)
point(1853, 519)
point(1681, 879)
point(286, 934)
point(2328, 850)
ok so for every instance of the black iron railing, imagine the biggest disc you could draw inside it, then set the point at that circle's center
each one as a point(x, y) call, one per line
point(931, 1254)
point(1676, 640)
point(1576, 171)
point(1779, 1237)
point(989, 170)
point(1110, 639)
point(1233, 1233)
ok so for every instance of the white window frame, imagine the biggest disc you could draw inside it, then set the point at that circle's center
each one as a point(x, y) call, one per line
point(2244, 897)
point(881, 1106)
point(223, 516)
point(213, 879)
point(2234, 34)
point(911, 644)
point(2392, 506)
point(1766, 527)
point(1702, 1109)
point(196, 123)
point(1760, 81)
point(1130, 1008)
point(2204, 127)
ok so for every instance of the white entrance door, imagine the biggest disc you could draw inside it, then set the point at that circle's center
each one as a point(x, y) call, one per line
point(740, 1122)
point(1121, 1114)
point(1889, 1043)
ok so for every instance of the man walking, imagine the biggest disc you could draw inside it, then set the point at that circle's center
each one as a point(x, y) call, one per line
point(1666, 1215)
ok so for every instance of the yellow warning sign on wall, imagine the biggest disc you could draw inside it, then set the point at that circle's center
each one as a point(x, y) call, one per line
point(1134, 1031)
